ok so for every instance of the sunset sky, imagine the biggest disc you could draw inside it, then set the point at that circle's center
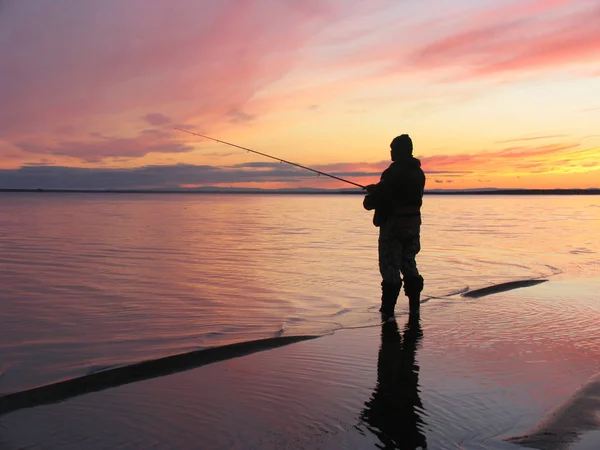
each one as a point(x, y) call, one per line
point(494, 93)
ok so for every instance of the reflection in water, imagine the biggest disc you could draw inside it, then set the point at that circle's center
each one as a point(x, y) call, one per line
point(394, 413)
point(103, 280)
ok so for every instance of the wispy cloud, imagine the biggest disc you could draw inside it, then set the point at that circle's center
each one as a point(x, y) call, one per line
point(109, 56)
point(532, 138)
point(518, 40)
point(486, 41)
point(239, 116)
point(157, 119)
point(105, 81)
point(100, 147)
point(553, 158)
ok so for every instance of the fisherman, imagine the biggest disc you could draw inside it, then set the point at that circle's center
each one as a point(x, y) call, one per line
point(397, 200)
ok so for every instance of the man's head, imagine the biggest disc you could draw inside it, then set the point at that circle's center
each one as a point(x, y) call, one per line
point(401, 146)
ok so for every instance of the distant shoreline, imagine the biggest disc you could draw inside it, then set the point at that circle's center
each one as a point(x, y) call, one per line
point(595, 191)
point(308, 191)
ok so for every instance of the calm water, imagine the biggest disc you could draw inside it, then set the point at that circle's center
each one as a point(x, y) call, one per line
point(91, 281)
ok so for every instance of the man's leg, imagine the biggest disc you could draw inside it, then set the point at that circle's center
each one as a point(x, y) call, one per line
point(413, 281)
point(390, 261)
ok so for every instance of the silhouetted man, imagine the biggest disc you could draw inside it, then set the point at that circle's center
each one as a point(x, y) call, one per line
point(397, 200)
point(395, 412)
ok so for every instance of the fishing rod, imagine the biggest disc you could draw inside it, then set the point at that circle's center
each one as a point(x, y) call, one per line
point(318, 172)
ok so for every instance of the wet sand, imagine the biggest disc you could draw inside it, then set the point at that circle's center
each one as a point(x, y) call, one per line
point(567, 424)
point(473, 372)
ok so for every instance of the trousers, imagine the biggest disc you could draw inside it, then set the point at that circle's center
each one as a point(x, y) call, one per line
point(398, 248)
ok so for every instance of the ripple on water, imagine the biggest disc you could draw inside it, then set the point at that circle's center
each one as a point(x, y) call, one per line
point(479, 371)
point(174, 273)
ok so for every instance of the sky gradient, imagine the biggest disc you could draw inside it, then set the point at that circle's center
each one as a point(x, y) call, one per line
point(495, 93)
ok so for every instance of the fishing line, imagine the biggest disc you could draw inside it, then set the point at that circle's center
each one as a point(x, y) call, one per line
point(318, 172)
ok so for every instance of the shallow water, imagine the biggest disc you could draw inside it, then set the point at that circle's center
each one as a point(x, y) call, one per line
point(94, 281)
point(470, 375)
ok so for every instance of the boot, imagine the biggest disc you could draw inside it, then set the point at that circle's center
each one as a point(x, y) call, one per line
point(412, 289)
point(389, 296)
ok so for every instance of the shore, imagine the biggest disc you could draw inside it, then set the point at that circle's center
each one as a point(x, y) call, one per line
point(303, 191)
point(508, 370)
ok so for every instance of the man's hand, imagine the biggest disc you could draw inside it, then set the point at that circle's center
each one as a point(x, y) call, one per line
point(368, 203)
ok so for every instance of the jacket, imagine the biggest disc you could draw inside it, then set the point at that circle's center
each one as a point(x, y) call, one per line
point(399, 193)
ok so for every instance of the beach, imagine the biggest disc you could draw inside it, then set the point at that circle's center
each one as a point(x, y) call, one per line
point(473, 383)
point(505, 354)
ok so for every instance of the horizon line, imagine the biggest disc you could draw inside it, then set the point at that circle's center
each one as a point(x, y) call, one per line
point(313, 191)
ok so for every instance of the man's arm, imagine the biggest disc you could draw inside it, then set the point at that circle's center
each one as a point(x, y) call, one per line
point(375, 195)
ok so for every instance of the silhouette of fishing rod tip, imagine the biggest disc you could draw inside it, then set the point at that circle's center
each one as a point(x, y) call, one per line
point(318, 172)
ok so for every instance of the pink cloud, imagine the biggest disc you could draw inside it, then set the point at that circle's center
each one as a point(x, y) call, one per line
point(543, 158)
point(116, 66)
point(71, 62)
point(157, 119)
point(100, 147)
point(519, 41)
point(522, 8)
point(517, 37)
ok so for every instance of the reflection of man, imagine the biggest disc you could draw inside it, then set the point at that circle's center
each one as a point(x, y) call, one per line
point(394, 411)
point(397, 200)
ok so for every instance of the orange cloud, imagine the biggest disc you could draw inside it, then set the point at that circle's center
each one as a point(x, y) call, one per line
point(553, 158)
